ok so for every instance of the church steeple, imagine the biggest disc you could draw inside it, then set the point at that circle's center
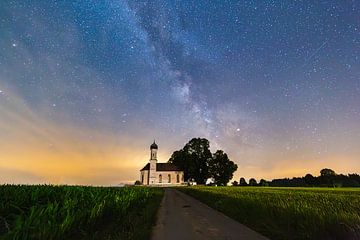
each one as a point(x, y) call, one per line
point(153, 151)
point(154, 145)
point(153, 162)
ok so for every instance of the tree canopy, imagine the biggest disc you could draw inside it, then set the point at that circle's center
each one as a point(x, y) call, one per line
point(326, 172)
point(242, 182)
point(327, 178)
point(199, 164)
point(252, 182)
point(221, 169)
point(193, 159)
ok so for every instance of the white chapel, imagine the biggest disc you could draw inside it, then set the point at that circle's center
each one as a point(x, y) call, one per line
point(163, 174)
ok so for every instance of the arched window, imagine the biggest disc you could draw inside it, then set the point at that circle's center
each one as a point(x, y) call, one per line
point(160, 178)
point(169, 178)
point(142, 178)
point(177, 178)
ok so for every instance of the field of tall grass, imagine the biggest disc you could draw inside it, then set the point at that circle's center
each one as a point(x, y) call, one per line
point(288, 213)
point(75, 212)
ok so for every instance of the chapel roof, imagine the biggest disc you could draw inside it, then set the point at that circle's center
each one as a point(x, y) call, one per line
point(162, 167)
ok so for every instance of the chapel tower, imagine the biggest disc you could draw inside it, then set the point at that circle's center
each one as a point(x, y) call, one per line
point(153, 162)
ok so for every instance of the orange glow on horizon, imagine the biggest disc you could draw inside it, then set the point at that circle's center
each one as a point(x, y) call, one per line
point(34, 149)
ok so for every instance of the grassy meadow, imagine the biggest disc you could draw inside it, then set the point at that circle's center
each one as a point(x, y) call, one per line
point(75, 212)
point(288, 213)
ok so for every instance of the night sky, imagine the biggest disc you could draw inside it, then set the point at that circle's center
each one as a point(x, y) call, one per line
point(86, 86)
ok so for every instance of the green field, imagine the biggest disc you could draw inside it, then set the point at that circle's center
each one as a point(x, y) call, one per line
point(72, 212)
point(288, 213)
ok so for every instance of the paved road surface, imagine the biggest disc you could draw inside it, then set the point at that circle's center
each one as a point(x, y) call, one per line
point(182, 217)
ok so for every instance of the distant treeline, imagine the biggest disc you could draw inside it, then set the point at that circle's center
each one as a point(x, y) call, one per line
point(327, 178)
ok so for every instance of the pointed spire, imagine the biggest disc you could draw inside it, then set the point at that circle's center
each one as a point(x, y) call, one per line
point(154, 145)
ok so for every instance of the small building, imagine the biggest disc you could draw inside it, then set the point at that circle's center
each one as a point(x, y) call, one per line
point(163, 174)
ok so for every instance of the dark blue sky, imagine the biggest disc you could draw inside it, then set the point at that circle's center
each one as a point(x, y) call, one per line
point(273, 83)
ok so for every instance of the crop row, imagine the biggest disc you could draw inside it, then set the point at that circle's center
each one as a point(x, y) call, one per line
point(76, 212)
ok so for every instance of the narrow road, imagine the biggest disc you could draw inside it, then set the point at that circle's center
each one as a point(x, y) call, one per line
point(185, 218)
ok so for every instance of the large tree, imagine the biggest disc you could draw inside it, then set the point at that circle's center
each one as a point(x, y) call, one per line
point(199, 164)
point(194, 159)
point(221, 169)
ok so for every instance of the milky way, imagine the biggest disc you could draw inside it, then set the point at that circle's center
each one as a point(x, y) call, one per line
point(86, 86)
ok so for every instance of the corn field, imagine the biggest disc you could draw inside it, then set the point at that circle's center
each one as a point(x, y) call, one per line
point(76, 212)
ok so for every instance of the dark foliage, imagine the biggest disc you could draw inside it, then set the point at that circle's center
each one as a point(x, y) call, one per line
point(199, 163)
point(326, 172)
point(221, 169)
point(252, 182)
point(242, 182)
point(263, 183)
point(327, 178)
point(194, 160)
